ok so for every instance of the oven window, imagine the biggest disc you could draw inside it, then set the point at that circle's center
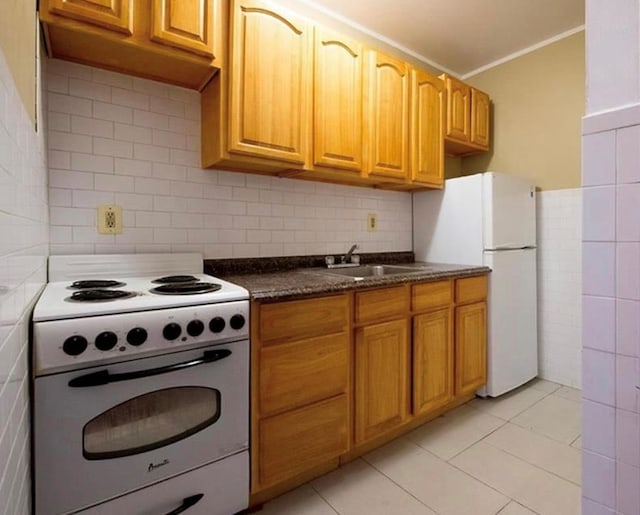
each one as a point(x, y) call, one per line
point(150, 421)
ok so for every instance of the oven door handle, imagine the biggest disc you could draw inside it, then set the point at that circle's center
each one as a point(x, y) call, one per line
point(103, 377)
point(187, 502)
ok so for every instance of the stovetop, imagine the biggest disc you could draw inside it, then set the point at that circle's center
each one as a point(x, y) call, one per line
point(61, 301)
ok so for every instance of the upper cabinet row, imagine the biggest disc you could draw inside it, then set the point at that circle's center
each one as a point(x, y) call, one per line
point(299, 100)
point(174, 41)
point(286, 97)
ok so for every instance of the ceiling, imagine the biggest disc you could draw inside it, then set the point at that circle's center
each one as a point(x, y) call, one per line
point(459, 36)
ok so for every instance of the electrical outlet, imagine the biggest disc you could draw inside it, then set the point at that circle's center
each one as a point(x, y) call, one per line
point(109, 219)
point(372, 222)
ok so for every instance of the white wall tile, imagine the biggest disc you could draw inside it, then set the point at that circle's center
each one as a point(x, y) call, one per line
point(599, 376)
point(628, 437)
point(599, 213)
point(598, 269)
point(151, 163)
point(627, 327)
point(599, 327)
point(627, 489)
point(628, 212)
point(598, 428)
point(626, 381)
point(599, 478)
point(23, 254)
point(628, 271)
point(599, 159)
point(628, 154)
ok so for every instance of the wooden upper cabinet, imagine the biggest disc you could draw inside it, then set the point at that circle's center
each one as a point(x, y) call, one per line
point(432, 361)
point(471, 347)
point(337, 126)
point(427, 128)
point(112, 14)
point(381, 379)
point(480, 115)
point(184, 24)
point(458, 110)
point(387, 116)
point(271, 84)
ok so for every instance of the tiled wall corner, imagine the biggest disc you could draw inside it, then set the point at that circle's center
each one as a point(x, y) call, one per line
point(611, 327)
point(559, 285)
point(135, 143)
point(23, 253)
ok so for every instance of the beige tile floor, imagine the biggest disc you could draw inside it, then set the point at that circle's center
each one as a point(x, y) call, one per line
point(516, 455)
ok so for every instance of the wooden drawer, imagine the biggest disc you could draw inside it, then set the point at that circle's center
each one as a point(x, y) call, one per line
point(431, 295)
point(297, 319)
point(302, 372)
point(298, 440)
point(374, 305)
point(471, 289)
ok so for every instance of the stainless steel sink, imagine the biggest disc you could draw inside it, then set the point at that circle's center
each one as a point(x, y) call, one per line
point(360, 272)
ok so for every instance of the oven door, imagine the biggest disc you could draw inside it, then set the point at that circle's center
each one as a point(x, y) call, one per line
point(104, 431)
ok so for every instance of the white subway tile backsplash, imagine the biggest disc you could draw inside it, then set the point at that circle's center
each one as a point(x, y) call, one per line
point(114, 113)
point(69, 141)
point(169, 139)
point(152, 153)
point(59, 103)
point(104, 182)
point(132, 133)
point(152, 186)
point(128, 98)
point(91, 163)
point(88, 89)
point(70, 180)
point(59, 122)
point(133, 167)
point(112, 79)
point(59, 159)
point(111, 147)
point(150, 120)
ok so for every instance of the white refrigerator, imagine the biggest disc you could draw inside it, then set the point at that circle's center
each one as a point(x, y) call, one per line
point(490, 219)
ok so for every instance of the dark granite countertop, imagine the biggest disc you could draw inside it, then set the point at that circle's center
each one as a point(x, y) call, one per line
point(303, 282)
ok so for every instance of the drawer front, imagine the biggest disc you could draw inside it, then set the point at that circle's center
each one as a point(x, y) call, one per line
point(298, 440)
point(307, 318)
point(299, 373)
point(431, 295)
point(371, 306)
point(471, 289)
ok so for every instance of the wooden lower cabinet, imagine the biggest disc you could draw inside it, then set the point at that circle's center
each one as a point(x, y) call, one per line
point(432, 361)
point(298, 440)
point(471, 347)
point(381, 379)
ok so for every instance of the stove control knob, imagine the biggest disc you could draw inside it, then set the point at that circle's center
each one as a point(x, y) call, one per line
point(137, 336)
point(74, 345)
point(217, 325)
point(106, 340)
point(237, 322)
point(195, 328)
point(171, 331)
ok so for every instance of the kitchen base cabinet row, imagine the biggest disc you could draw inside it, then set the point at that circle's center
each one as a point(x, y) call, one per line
point(336, 376)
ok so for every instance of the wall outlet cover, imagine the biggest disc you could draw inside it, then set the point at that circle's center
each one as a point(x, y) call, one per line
point(109, 219)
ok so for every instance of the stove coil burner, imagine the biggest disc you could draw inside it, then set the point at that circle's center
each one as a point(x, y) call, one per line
point(92, 284)
point(186, 288)
point(98, 295)
point(173, 279)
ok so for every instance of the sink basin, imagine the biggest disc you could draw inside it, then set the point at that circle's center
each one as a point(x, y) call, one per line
point(360, 272)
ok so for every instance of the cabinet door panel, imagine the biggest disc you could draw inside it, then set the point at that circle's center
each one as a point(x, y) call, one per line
point(271, 84)
point(427, 128)
point(386, 121)
point(298, 440)
point(382, 385)
point(185, 24)
point(480, 116)
point(302, 372)
point(432, 361)
point(471, 347)
point(458, 110)
point(338, 101)
point(111, 14)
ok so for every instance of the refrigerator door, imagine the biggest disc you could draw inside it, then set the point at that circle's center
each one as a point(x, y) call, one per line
point(509, 211)
point(512, 339)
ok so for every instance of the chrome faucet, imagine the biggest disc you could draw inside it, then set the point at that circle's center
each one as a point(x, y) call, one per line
point(347, 257)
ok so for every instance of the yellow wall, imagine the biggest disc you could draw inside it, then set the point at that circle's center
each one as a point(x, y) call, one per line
point(538, 102)
point(18, 43)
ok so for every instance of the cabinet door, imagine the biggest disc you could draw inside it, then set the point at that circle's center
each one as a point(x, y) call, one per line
point(270, 84)
point(458, 109)
point(297, 440)
point(386, 119)
point(382, 384)
point(427, 128)
point(432, 361)
point(480, 106)
point(111, 14)
point(471, 347)
point(184, 24)
point(338, 101)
